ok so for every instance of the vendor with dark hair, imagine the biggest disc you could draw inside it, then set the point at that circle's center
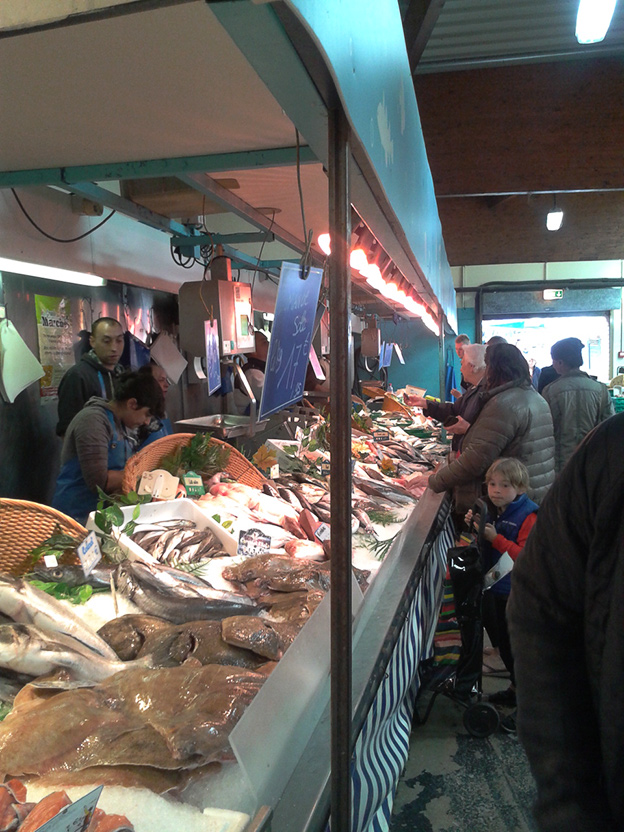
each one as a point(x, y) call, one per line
point(96, 447)
point(159, 426)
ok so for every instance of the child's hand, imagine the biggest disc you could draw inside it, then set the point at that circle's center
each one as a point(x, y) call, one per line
point(489, 533)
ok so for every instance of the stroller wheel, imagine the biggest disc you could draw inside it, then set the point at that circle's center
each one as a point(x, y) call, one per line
point(481, 719)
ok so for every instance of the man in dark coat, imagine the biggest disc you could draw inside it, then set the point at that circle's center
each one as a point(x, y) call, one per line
point(565, 617)
point(94, 374)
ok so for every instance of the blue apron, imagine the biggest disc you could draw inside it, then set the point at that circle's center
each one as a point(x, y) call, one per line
point(165, 429)
point(72, 496)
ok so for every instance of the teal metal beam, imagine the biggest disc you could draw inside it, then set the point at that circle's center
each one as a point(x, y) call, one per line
point(88, 190)
point(212, 163)
point(225, 239)
point(234, 204)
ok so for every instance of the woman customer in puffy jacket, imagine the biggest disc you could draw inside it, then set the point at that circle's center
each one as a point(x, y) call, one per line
point(514, 421)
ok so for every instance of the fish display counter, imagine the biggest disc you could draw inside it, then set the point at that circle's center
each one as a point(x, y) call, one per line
point(200, 684)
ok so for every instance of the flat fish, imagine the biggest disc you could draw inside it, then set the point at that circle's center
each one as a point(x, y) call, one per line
point(171, 718)
point(127, 633)
point(266, 638)
point(200, 641)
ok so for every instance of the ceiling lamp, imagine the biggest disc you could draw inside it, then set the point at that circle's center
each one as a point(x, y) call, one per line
point(324, 243)
point(554, 218)
point(50, 272)
point(357, 259)
point(593, 20)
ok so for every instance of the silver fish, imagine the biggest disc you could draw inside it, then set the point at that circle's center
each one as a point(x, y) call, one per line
point(155, 597)
point(27, 649)
point(27, 605)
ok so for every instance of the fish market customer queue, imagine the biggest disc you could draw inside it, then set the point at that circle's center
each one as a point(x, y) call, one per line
point(97, 447)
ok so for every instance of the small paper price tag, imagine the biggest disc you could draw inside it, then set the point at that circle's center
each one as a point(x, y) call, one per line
point(253, 543)
point(323, 532)
point(89, 553)
point(298, 434)
point(274, 472)
point(76, 817)
point(50, 561)
point(325, 469)
point(381, 435)
point(193, 484)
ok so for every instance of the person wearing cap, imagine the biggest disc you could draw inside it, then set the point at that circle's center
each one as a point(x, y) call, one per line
point(577, 402)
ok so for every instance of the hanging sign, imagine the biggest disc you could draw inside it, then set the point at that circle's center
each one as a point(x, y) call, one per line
point(54, 331)
point(291, 336)
point(213, 365)
point(385, 356)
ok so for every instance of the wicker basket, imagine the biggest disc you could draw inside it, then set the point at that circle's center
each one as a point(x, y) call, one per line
point(24, 525)
point(239, 468)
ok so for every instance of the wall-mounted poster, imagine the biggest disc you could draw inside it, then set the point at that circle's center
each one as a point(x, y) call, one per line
point(56, 338)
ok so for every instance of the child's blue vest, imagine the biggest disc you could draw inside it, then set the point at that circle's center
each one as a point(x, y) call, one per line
point(508, 524)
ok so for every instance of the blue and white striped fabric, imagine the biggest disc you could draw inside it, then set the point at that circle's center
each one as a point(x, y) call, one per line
point(382, 747)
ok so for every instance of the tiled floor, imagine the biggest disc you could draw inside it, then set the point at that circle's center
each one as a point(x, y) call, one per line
point(454, 782)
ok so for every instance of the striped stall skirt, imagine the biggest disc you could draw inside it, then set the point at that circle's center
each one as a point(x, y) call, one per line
point(382, 747)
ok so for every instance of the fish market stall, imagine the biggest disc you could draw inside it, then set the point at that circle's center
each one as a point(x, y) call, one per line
point(230, 650)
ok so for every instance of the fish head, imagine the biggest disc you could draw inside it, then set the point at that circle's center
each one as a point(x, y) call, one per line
point(15, 639)
point(58, 574)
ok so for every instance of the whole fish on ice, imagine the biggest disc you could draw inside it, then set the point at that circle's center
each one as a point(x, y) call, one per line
point(26, 649)
point(27, 605)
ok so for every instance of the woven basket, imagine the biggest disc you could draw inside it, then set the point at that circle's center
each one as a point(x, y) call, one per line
point(24, 525)
point(239, 468)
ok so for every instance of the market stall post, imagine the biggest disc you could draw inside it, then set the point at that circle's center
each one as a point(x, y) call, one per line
point(340, 447)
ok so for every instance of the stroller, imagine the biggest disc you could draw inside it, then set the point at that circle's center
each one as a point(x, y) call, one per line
point(464, 683)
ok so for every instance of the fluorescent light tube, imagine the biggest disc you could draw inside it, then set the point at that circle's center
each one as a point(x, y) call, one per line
point(554, 220)
point(593, 20)
point(50, 273)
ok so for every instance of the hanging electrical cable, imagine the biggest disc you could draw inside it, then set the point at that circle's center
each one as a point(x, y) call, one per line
point(51, 236)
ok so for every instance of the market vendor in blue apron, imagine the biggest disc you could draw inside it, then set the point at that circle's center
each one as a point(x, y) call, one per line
point(96, 446)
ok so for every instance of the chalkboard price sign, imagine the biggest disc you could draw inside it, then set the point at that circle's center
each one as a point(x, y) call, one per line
point(291, 336)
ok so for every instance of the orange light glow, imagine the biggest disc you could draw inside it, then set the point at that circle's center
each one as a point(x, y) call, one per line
point(324, 243)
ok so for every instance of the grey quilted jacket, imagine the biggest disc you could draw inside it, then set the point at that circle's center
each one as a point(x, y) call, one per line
point(514, 421)
point(578, 403)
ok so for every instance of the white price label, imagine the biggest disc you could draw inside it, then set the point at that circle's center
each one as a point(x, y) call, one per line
point(274, 472)
point(323, 532)
point(89, 553)
point(50, 561)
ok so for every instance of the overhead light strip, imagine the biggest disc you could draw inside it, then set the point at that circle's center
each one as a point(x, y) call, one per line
point(50, 272)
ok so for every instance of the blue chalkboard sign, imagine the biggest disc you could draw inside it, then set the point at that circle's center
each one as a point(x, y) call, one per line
point(291, 336)
point(385, 355)
point(213, 362)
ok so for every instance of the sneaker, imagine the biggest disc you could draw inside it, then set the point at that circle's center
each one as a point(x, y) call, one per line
point(507, 698)
point(508, 723)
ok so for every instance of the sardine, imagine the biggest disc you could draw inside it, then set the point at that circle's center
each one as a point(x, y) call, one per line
point(27, 649)
point(72, 575)
point(28, 605)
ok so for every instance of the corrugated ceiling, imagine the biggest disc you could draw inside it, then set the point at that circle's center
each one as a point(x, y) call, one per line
point(475, 33)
